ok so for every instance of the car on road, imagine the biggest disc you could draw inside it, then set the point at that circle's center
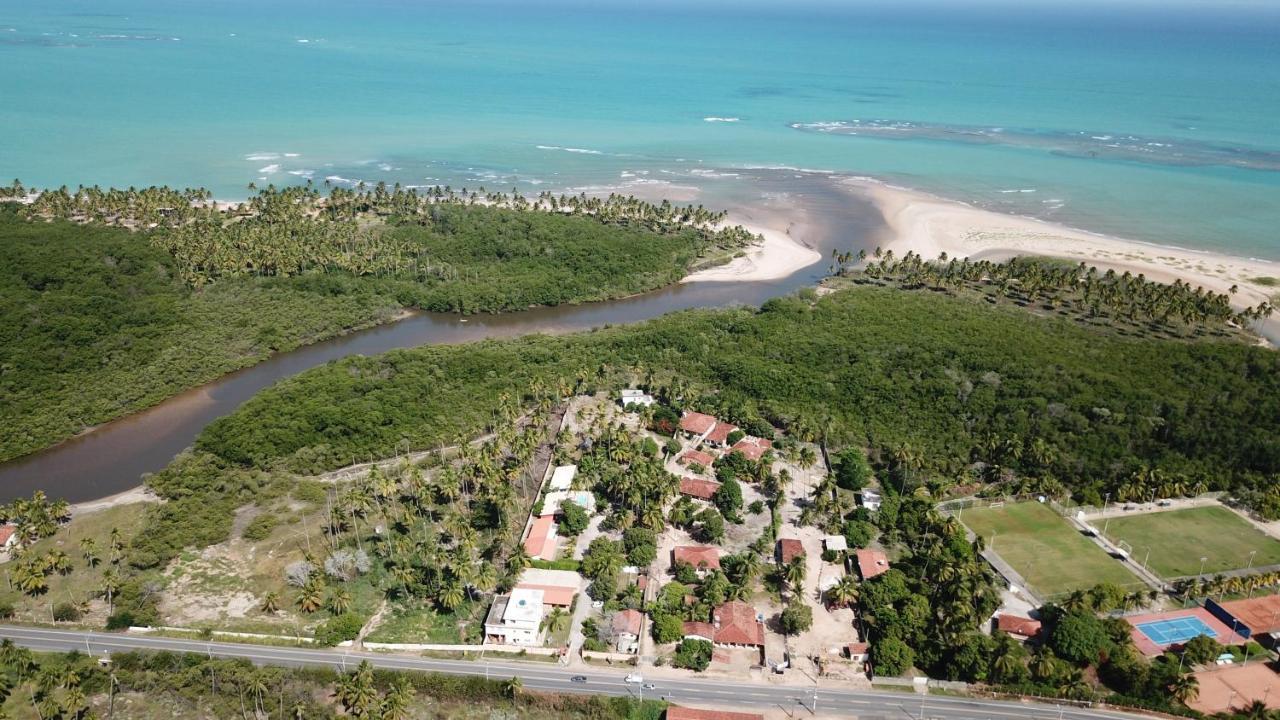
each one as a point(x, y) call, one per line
point(649, 686)
point(633, 679)
point(578, 679)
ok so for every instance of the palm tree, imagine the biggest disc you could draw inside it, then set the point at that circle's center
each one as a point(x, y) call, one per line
point(793, 574)
point(339, 601)
point(396, 705)
point(89, 551)
point(844, 593)
point(1257, 710)
point(110, 586)
point(271, 603)
point(310, 598)
point(1185, 688)
point(513, 687)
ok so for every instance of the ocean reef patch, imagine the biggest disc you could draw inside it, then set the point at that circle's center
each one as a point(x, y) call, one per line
point(1093, 145)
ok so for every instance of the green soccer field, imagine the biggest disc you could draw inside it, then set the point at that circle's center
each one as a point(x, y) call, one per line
point(1179, 538)
point(1046, 549)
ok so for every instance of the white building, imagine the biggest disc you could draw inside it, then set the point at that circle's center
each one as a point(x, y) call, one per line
point(869, 499)
point(515, 619)
point(635, 397)
point(562, 477)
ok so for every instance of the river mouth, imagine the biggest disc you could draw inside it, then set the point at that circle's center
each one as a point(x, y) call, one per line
point(115, 456)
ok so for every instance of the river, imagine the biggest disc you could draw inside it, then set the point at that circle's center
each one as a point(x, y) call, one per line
point(115, 456)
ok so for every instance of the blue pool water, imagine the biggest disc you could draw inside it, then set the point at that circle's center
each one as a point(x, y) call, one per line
point(621, 93)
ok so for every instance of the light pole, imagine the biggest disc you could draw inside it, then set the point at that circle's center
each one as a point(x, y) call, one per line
point(1145, 558)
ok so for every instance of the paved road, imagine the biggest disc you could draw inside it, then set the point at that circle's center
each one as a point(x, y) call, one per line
point(704, 692)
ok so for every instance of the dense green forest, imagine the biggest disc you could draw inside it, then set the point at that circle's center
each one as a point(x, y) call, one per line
point(942, 392)
point(96, 325)
point(102, 320)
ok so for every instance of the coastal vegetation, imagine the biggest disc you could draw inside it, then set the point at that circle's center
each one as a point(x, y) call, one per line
point(118, 299)
point(1122, 302)
point(939, 395)
point(943, 392)
point(164, 685)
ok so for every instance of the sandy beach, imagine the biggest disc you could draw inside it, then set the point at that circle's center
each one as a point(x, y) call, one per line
point(777, 257)
point(930, 226)
point(139, 494)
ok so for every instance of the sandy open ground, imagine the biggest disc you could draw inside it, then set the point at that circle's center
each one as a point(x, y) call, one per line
point(930, 226)
point(777, 257)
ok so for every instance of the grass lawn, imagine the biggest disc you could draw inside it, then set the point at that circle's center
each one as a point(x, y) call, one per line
point(417, 624)
point(1046, 550)
point(83, 582)
point(1179, 538)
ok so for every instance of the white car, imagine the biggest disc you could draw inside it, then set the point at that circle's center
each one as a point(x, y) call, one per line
point(634, 679)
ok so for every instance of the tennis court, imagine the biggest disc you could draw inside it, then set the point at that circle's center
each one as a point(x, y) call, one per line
point(1175, 631)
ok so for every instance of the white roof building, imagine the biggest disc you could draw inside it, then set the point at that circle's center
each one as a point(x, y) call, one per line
point(869, 499)
point(835, 542)
point(562, 477)
point(635, 397)
point(515, 619)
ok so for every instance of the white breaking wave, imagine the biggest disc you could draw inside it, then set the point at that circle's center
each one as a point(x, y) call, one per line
point(262, 156)
point(303, 173)
point(580, 151)
point(268, 169)
point(1018, 190)
point(721, 119)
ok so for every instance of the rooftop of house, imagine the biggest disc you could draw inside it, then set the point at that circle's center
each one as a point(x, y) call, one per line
point(1015, 625)
point(562, 477)
point(689, 457)
point(789, 549)
point(523, 606)
point(753, 448)
point(721, 432)
point(699, 488)
point(738, 624)
point(627, 621)
point(871, 563)
point(699, 556)
point(697, 423)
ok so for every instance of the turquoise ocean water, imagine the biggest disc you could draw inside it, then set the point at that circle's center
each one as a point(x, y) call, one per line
point(1157, 122)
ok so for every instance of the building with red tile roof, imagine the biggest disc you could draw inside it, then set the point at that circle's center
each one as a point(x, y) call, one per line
point(753, 448)
point(1020, 627)
point(699, 631)
point(871, 563)
point(696, 487)
point(789, 549)
point(701, 557)
point(734, 623)
point(690, 457)
point(696, 423)
point(541, 541)
point(553, 595)
point(674, 712)
point(627, 621)
point(737, 623)
point(8, 536)
point(719, 434)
